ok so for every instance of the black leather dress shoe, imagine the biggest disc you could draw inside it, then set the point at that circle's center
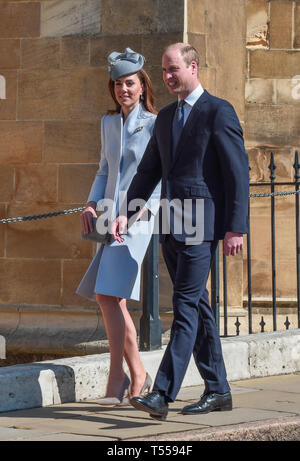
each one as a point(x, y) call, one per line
point(153, 403)
point(209, 402)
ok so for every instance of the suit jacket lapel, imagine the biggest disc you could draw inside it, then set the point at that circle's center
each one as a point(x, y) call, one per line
point(168, 123)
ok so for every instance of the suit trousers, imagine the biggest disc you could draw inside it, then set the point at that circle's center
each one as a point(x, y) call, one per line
point(193, 329)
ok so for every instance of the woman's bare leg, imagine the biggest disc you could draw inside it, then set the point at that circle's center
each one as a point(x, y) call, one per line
point(115, 329)
point(122, 338)
point(131, 353)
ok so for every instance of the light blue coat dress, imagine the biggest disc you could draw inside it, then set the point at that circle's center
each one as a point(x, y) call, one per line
point(116, 268)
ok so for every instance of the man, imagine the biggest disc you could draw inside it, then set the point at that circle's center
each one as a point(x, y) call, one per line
point(197, 150)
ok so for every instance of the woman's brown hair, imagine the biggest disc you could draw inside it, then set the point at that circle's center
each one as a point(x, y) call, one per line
point(148, 101)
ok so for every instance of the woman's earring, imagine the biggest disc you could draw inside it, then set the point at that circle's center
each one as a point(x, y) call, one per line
point(142, 97)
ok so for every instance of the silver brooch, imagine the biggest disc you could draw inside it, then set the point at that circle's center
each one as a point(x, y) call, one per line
point(139, 128)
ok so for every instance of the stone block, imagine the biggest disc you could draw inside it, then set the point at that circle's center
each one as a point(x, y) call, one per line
point(227, 56)
point(274, 64)
point(196, 16)
point(170, 16)
point(257, 24)
point(236, 353)
point(72, 142)
point(30, 281)
point(21, 142)
point(8, 106)
point(70, 17)
point(297, 25)
point(74, 52)
point(288, 90)
point(44, 94)
point(272, 125)
point(90, 96)
point(73, 271)
point(274, 353)
point(37, 380)
point(101, 47)
point(260, 91)
point(6, 183)
point(36, 183)
point(52, 238)
point(281, 14)
point(19, 20)
point(145, 17)
point(9, 54)
point(40, 53)
point(74, 182)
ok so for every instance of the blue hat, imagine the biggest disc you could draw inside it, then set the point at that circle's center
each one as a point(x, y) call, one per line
point(126, 63)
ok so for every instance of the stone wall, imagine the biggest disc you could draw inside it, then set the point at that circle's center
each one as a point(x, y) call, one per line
point(53, 93)
point(272, 124)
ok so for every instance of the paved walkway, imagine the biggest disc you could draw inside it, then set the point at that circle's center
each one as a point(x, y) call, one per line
point(264, 409)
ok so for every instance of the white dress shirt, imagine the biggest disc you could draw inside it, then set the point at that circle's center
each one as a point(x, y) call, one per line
point(190, 101)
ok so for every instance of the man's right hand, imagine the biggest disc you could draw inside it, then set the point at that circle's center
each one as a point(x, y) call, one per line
point(118, 227)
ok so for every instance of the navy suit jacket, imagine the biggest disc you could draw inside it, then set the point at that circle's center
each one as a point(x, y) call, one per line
point(209, 163)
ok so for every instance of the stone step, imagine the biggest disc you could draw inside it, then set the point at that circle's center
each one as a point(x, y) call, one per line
point(83, 378)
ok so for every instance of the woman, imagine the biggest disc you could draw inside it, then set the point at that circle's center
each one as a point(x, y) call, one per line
point(114, 274)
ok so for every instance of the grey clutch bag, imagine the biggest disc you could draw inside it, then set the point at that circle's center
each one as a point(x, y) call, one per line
point(95, 236)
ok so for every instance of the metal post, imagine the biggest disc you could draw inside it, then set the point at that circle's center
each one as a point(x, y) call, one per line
point(215, 286)
point(297, 177)
point(150, 323)
point(272, 168)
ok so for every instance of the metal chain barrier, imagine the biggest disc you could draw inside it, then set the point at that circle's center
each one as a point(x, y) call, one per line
point(77, 210)
point(40, 216)
point(274, 194)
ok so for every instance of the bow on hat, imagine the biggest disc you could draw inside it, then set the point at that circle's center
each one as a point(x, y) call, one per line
point(129, 55)
point(119, 63)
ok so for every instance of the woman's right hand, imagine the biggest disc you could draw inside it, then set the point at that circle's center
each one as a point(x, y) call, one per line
point(86, 217)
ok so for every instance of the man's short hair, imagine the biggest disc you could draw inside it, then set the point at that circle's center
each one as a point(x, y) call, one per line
point(189, 54)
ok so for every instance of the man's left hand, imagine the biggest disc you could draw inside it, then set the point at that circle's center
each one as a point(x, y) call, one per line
point(233, 243)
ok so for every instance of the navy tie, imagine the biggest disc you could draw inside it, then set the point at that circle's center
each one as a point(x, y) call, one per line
point(178, 123)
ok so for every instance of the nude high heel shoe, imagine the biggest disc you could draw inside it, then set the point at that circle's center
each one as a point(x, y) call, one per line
point(110, 401)
point(146, 386)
